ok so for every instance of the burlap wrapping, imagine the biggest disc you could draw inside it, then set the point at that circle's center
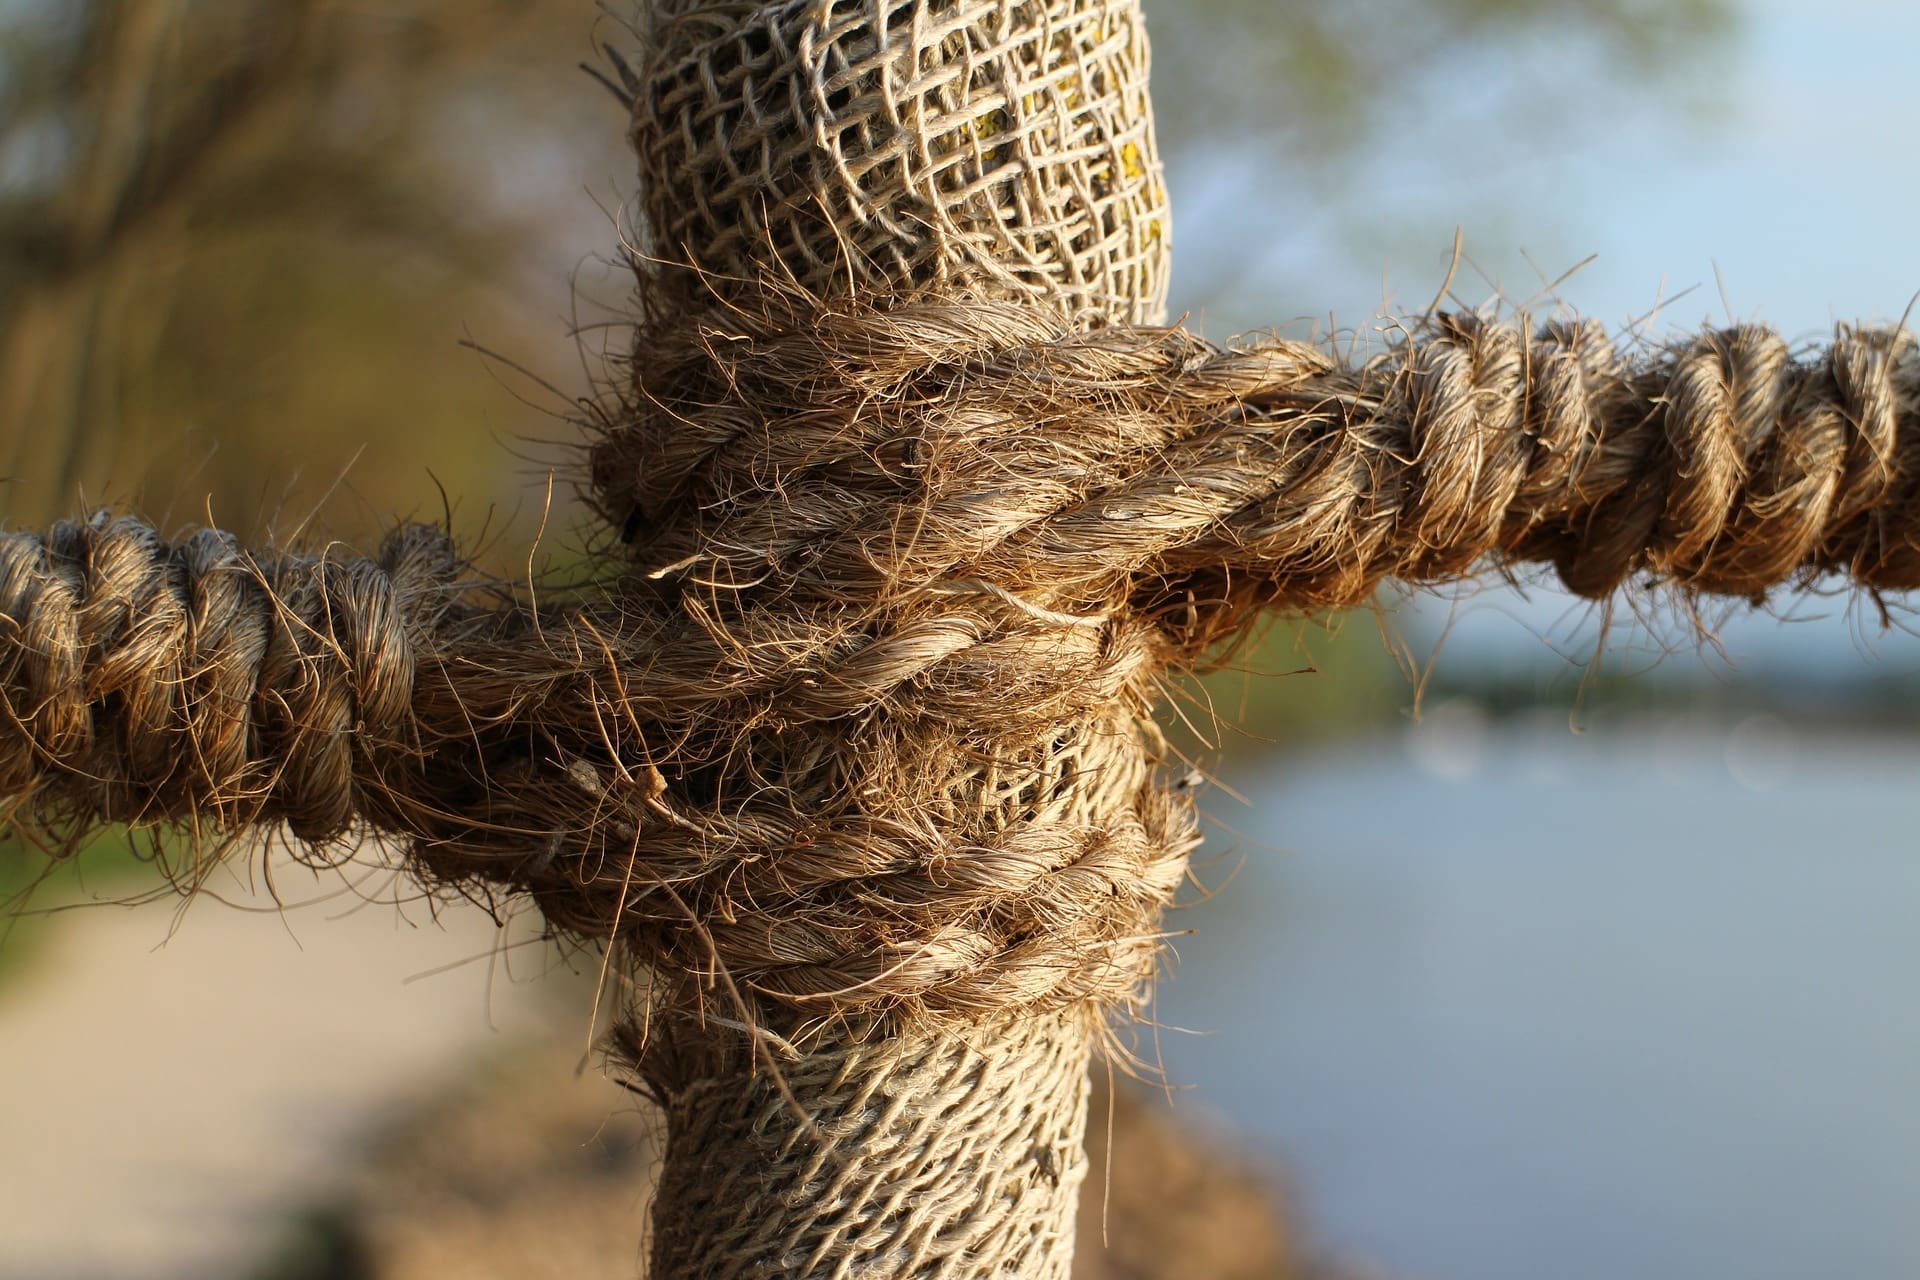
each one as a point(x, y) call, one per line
point(959, 150)
point(949, 148)
point(909, 520)
point(944, 1157)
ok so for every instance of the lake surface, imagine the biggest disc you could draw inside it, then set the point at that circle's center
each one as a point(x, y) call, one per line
point(1512, 1003)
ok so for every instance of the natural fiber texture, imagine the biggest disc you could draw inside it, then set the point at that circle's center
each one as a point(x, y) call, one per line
point(847, 452)
point(151, 682)
point(890, 148)
point(856, 760)
point(865, 728)
point(855, 764)
point(925, 1158)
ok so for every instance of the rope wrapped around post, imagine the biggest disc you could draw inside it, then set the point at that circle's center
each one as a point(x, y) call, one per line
point(913, 507)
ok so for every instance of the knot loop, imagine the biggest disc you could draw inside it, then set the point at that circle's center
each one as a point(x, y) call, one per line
point(950, 552)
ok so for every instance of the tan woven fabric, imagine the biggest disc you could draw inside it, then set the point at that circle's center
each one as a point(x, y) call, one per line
point(915, 521)
point(959, 148)
point(924, 1158)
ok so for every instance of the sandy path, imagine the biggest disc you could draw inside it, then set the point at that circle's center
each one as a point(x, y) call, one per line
point(164, 1101)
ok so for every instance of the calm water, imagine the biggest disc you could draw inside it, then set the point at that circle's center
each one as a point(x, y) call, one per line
point(1517, 1004)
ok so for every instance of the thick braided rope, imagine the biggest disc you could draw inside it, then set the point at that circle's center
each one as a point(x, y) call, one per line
point(852, 452)
point(867, 724)
point(919, 512)
point(143, 681)
point(938, 1157)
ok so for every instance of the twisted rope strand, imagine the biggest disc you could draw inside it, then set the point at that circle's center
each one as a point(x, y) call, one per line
point(1054, 468)
point(868, 722)
point(145, 681)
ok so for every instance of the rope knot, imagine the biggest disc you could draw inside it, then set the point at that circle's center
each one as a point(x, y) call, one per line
point(866, 724)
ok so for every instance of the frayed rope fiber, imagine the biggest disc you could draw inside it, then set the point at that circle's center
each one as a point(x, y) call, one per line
point(911, 510)
point(866, 723)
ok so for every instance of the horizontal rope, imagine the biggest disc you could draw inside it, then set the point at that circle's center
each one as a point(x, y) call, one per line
point(865, 727)
point(146, 681)
point(868, 450)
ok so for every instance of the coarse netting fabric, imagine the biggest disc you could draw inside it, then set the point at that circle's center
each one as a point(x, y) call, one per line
point(880, 148)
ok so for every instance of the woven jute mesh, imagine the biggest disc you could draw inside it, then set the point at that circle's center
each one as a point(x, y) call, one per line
point(888, 151)
point(938, 1157)
point(886, 148)
point(908, 524)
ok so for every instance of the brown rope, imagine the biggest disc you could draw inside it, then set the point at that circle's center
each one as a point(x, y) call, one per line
point(144, 681)
point(919, 512)
point(866, 726)
point(847, 453)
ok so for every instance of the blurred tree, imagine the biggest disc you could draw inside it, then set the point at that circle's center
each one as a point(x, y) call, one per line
point(1318, 79)
point(239, 240)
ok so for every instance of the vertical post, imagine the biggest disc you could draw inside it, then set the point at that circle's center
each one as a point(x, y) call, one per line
point(940, 1157)
point(888, 152)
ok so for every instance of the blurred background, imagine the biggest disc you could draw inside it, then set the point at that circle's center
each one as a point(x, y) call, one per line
point(1529, 956)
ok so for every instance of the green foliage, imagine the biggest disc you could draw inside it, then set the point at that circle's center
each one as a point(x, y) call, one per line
point(242, 240)
point(1321, 78)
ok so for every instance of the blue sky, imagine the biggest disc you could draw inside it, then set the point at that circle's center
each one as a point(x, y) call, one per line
point(1783, 159)
point(1779, 168)
point(1805, 194)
